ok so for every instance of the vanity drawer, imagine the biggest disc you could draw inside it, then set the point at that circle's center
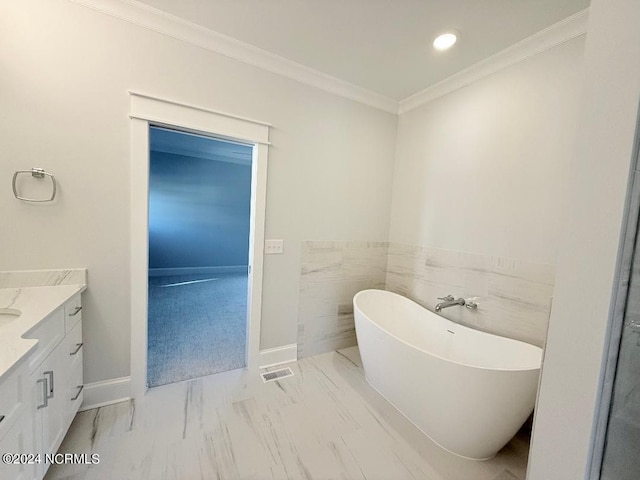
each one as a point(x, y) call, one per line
point(74, 394)
point(73, 348)
point(12, 398)
point(72, 312)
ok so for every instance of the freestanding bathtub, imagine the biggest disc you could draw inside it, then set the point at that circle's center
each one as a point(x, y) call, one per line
point(467, 390)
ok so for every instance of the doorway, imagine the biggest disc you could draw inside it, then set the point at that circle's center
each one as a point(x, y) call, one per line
point(147, 112)
point(199, 218)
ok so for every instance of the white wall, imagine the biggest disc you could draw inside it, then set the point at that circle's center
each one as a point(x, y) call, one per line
point(586, 272)
point(198, 212)
point(484, 168)
point(65, 73)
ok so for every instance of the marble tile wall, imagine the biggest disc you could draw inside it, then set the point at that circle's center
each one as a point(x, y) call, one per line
point(332, 273)
point(513, 296)
point(43, 278)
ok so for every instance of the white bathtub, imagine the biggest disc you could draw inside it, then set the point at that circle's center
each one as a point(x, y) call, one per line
point(469, 391)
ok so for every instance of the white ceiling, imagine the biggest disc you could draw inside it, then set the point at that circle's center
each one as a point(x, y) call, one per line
point(381, 45)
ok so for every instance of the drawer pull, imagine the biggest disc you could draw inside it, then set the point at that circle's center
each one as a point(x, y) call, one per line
point(44, 393)
point(50, 373)
point(75, 312)
point(80, 388)
point(78, 347)
point(1, 418)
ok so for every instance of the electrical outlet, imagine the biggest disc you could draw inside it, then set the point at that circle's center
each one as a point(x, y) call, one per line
point(273, 247)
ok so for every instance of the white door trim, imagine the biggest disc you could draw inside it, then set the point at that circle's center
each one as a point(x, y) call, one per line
point(146, 110)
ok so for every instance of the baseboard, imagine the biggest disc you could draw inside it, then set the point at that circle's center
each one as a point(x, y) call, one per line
point(279, 355)
point(157, 272)
point(99, 394)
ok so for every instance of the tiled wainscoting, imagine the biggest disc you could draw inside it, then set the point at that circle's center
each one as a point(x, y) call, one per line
point(513, 296)
point(332, 273)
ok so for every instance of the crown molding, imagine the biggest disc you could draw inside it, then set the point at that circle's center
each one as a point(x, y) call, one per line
point(164, 23)
point(558, 33)
point(180, 29)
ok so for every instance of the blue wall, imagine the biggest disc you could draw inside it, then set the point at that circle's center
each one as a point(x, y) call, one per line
point(198, 212)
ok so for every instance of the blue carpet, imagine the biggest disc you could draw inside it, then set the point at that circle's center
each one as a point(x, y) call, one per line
point(197, 326)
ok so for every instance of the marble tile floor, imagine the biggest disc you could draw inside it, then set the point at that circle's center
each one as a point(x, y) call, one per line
point(325, 422)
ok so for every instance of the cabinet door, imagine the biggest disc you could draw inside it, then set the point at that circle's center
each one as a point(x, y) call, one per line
point(19, 440)
point(38, 394)
point(14, 398)
point(16, 424)
point(51, 399)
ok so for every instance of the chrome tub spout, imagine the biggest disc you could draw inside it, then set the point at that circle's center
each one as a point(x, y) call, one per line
point(449, 302)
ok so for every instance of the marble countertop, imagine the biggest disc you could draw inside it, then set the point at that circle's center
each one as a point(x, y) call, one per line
point(35, 304)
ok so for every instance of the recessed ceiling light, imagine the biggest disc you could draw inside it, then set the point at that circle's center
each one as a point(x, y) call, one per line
point(445, 40)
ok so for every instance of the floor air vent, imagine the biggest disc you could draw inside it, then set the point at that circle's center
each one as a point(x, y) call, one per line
point(276, 375)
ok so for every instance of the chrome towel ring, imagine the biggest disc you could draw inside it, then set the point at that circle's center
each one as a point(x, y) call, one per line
point(36, 173)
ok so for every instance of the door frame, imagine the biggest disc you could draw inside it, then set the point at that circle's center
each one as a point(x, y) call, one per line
point(147, 110)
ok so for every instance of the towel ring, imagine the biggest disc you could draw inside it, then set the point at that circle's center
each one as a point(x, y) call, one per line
point(36, 173)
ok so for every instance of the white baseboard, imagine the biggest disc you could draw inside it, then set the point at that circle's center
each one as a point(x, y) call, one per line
point(279, 355)
point(99, 394)
point(156, 272)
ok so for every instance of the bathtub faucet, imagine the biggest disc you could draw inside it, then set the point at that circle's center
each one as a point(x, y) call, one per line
point(449, 301)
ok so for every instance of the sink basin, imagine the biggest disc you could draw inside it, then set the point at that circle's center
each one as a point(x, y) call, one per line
point(8, 315)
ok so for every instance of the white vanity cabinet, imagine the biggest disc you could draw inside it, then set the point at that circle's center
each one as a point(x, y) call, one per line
point(56, 378)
